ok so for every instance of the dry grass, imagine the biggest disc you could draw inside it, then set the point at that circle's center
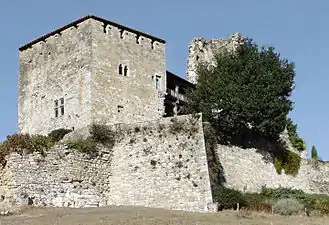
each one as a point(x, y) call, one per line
point(148, 216)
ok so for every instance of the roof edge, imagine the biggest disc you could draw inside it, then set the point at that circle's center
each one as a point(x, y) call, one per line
point(75, 23)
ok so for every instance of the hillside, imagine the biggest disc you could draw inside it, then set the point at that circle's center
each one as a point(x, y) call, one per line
point(147, 216)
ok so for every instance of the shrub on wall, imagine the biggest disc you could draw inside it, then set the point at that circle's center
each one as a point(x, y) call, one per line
point(99, 134)
point(40, 143)
point(287, 160)
point(83, 145)
point(102, 134)
point(24, 143)
point(58, 134)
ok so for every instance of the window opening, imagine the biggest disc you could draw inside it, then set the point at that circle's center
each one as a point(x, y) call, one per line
point(120, 69)
point(120, 108)
point(126, 71)
point(59, 107)
point(157, 82)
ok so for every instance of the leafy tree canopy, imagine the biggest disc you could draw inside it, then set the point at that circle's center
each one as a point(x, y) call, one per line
point(247, 93)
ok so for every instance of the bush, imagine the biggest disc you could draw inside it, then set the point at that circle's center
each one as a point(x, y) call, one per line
point(103, 135)
point(317, 202)
point(228, 198)
point(21, 143)
point(57, 135)
point(84, 145)
point(283, 193)
point(288, 206)
point(40, 144)
point(287, 160)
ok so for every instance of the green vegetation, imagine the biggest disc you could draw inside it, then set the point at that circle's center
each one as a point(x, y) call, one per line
point(87, 145)
point(228, 198)
point(287, 160)
point(102, 134)
point(288, 206)
point(24, 143)
point(99, 134)
point(314, 153)
point(246, 95)
point(284, 201)
point(295, 140)
point(246, 98)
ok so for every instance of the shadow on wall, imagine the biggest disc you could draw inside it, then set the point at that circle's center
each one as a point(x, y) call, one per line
point(216, 170)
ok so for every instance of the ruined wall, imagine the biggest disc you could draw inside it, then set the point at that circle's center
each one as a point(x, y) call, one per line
point(201, 50)
point(250, 169)
point(118, 98)
point(152, 164)
point(58, 67)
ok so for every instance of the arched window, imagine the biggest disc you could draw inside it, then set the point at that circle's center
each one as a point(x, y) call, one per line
point(126, 70)
point(120, 69)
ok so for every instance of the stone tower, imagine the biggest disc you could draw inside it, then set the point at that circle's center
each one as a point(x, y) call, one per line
point(91, 70)
point(201, 50)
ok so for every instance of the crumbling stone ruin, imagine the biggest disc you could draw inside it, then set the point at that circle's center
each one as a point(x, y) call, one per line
point(201, 50)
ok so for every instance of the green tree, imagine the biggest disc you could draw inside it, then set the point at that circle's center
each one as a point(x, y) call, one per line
point(295, 140)
point(314, 153)
point(246, 94)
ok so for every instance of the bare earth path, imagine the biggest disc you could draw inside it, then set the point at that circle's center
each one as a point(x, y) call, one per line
point(148, 216)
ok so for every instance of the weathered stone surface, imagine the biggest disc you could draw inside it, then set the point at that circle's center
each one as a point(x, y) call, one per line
point(250, 169)
point(203, 51)
point(81, 65)
point(160, 163)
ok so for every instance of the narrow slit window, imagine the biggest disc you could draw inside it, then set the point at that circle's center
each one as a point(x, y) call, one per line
point(62, 106)
point(56, 108)
point(120, 69)
point(126, 70)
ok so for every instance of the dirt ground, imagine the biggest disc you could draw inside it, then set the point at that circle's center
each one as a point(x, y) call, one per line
point(148, 216)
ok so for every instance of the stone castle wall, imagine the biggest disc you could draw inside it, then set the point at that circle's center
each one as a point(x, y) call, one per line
point(58, 67)
point(134, 97)
point(153, 164)
point(203, 51)
point(250, 169)
point(80, 63)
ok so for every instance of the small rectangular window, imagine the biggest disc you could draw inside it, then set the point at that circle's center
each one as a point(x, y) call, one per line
point(59, 107)
point(120, 108)
point(157, 82)
point(56, 112)
point(62, 110)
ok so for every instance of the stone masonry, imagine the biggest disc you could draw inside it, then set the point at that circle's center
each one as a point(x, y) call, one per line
point(91, 70)
point(153, 164)
point(250, 169)
point(203, 51)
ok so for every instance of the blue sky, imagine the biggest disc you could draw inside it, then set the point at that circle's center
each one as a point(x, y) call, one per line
point(297, 29)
